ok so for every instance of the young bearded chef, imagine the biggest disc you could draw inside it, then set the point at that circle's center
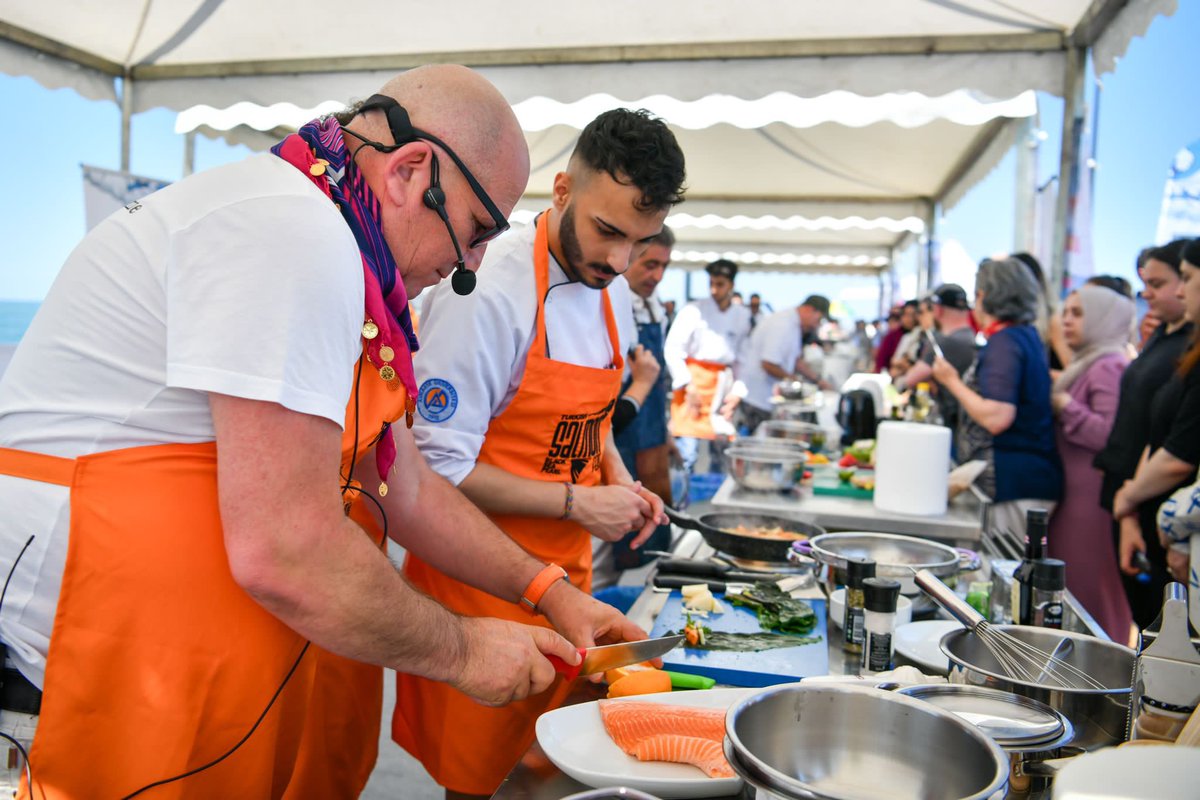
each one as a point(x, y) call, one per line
point(701, 349)
point(517, 386)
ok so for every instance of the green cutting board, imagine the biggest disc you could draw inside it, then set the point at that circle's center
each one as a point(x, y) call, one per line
point(825, 481)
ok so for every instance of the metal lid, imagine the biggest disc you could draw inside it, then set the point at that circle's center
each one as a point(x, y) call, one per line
point(895, 556)
point(1015, 722)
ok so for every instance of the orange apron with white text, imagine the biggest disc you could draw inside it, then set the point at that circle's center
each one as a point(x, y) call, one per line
point(553, 430)
point(159, 663)
point(706, 376)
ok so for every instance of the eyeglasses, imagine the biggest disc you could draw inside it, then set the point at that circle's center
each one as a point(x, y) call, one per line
point(403, 132)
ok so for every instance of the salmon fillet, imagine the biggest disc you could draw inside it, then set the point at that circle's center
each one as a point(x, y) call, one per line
point(703, 753)
point(661, 732)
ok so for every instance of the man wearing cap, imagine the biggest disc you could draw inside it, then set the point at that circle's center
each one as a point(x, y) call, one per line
point(701, 352)
point(956, 338)
point(775, 352)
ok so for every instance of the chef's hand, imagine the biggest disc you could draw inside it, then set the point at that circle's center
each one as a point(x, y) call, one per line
point(585, 620)
point(1129, 542)
point(610, 512)
point(505, 661)
point(651, 522)
point(1122, 505)
point(643, 366)
point(728, 405)
point(1179, 564)
point(943, 371)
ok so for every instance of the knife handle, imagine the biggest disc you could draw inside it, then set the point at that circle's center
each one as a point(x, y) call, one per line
point(690, 566)
point(568, 671)
point(680, 581)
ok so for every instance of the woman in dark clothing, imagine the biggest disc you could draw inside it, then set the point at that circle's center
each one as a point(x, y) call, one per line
point(1005, 399)
point(1172, 452)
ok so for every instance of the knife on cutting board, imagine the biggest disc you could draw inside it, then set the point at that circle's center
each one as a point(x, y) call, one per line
point(610, 656)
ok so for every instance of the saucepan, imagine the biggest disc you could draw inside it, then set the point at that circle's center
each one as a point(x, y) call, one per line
point(831, 742)
point(719, 532)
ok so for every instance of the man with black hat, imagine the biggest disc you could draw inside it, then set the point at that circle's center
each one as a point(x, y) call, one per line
point(955, 336)
point(701, 352)
point(775, 352)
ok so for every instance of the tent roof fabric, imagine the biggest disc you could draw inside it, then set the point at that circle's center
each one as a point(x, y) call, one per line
point(856, 154)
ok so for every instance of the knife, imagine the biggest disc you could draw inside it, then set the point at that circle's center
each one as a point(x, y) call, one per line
point(711, 569)
point(611, 656)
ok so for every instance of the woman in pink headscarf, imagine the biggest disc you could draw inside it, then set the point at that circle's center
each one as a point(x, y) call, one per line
point(1096, 325)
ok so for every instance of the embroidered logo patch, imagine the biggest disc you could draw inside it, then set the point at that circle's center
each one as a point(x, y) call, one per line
point(437, 400)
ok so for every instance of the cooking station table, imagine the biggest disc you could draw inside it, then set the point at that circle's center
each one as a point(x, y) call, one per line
point(962, 524)
point(535, 777)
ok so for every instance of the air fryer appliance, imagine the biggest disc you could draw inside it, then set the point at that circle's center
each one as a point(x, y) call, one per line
point(856, 415)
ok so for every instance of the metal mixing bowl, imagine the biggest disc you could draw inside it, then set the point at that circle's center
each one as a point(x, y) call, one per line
point(1098, 715)
point(765, 469)
point(831, 742)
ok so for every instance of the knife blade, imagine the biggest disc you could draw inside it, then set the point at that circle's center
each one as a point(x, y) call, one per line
point(610, 656)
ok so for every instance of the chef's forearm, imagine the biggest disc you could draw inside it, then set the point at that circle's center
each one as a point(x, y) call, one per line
point(496, 491)
point(613, 470)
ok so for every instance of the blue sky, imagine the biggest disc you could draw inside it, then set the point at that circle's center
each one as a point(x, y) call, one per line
point(1147, 113)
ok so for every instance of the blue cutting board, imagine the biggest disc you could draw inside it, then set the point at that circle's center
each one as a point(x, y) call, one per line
point(764, 668)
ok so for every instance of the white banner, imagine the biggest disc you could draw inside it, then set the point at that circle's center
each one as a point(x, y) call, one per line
point(106, 190)
point(1180, 215)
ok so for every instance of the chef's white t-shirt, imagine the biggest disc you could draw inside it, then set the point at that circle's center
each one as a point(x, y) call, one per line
point(473, 348)
point(242, 280)
point(776, 340)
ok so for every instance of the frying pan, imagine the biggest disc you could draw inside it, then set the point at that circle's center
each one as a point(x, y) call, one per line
point(717, 531)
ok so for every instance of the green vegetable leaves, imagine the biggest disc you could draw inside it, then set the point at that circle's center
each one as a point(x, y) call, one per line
point(750, 642)
point(776, 609)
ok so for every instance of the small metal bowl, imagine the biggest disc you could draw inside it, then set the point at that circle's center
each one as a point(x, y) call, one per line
point(766, 469)
point(812, 435)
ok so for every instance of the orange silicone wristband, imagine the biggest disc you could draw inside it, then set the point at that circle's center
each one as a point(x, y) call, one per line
point(537, 587)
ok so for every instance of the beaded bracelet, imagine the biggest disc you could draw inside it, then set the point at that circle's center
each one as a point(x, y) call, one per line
point(568, 502)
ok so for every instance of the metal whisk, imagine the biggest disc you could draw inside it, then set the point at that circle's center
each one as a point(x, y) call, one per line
point(1019, 660)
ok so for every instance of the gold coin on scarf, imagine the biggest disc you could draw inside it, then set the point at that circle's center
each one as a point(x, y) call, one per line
point(387, 373)
point(408, 419)
point(383, 490)
point(394, 385)
point(317, 170)
point(410, 404)
point(370, 330)
point(387, 353)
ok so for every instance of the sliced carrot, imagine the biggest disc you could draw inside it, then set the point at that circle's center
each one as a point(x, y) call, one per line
point(643, 682)
point(613, 675)
point(691, 635)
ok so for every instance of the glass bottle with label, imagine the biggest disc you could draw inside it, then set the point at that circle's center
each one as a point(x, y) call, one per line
point(1049, 582)
point(1037, 525)
point(857, 570)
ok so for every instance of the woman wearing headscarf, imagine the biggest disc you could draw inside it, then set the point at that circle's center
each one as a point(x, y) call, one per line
point(1005, 399)
point(1095, 326)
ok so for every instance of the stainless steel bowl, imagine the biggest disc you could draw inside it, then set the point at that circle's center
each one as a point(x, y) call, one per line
point(1098, 716)
point(797, 410)
point(797, 389)
point(831, 742)
point(812, 435)
point(766, 469)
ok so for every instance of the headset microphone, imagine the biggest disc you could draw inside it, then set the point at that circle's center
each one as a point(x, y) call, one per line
point(463, 280)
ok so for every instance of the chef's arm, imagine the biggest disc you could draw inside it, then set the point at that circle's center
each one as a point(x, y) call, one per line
point(774, 370)
point(1156, 474)
point(292, 549)
point(675, 348)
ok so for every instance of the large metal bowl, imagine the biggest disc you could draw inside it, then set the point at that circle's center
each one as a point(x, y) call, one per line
point(831, 742)
point(1098, 715)
point(765, 469)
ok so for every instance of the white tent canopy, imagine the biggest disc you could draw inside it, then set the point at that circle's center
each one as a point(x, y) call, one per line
point(876, 110)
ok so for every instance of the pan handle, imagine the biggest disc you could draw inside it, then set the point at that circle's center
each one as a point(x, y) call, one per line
point(683, 520)
point(803, 547)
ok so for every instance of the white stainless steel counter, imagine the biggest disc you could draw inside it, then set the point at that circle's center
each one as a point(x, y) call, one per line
point(962, 522)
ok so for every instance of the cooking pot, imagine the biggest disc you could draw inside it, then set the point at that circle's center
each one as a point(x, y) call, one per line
point(797, 410)
point(856, 415)
point(832, 742)
point(765, 469)
point(1029, 731)
point(717, 532)
point(895, 556)
point(1098, 715)
point(812, 435)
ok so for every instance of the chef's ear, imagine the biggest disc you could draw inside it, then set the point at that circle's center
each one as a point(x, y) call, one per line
point(406, 173)
point(562, 190)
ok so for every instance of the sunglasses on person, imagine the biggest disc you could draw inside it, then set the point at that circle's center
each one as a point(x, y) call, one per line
point(403, 132)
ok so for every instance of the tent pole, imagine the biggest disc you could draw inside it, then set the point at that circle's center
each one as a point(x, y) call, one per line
point(1074, 111)
point(189, 153)
point(126, 115)
point(1024, 215)
point(927, 275)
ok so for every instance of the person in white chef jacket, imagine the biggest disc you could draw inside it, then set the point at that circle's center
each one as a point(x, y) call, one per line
point(774, 353)
point(517, 385)
point(701, 353)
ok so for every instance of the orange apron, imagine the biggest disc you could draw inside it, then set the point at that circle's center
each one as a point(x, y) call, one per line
point(159, 662)
point(706, 376)
point(553, 430)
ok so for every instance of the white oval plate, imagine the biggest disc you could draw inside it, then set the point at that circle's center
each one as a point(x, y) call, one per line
point(573, 737)
point(918, 642)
